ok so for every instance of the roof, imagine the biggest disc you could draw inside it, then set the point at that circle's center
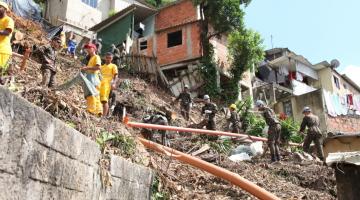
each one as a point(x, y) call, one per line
point(325, 64)
point(141, 12)
point(276, 50)
point(343, 157)
point(351, 82)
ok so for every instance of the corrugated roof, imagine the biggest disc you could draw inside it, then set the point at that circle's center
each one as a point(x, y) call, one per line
point(141, 12)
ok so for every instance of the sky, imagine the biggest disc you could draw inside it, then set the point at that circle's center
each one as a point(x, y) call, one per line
point(317, 29)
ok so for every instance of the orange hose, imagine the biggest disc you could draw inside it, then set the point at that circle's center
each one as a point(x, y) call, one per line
point(192, 130)
point(212, 169)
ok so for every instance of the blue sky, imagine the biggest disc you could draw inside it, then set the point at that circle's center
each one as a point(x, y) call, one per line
point(317, 29)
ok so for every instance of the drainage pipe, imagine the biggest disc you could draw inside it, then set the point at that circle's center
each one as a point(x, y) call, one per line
point(212, 169)
point(192, 130)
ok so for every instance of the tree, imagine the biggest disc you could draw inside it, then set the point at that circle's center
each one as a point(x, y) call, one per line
point(158, 3)
point(245, 51)
point(224, 16)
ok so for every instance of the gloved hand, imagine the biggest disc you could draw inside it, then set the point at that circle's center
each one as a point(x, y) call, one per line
point(208, 111)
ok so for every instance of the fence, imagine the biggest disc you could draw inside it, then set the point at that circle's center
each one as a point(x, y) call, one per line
point(141, 65)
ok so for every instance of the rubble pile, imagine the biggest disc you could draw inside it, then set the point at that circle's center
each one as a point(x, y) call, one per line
point(30, 31)
point(288, 179)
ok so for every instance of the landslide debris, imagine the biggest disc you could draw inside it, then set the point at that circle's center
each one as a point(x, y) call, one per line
point(176, 180)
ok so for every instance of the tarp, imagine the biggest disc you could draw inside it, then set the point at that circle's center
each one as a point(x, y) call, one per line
point(116, 33)
point(26, 8)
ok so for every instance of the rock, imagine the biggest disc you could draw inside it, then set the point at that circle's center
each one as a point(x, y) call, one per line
point(307, 156)
point(298, 157)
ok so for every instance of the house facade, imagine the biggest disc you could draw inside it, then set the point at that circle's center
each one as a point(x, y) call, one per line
point(79, 15)
point(171, 35)
point(289, 82)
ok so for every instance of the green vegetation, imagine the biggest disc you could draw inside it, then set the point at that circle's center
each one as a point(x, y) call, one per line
point(158, 3)
point(112, 12)
point(222, 147)
point(156, 193)
point(289, 131)
point(126, 144)
point(245, 51)
point(226, 17)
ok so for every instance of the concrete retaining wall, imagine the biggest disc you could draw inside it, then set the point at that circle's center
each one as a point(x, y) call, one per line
point(43, 158)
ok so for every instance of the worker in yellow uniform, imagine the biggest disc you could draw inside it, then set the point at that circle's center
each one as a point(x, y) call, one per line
point(109, 73)
point(6, 29)
point(91, 72)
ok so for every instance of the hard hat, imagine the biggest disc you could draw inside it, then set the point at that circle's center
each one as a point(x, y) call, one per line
point(206, 97)
point(233, 106)
point(306, 109)
point(186, 86)
point(259, 103)
point(3, 4)
point(99, 39)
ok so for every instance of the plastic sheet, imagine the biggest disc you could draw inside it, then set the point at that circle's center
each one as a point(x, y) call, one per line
point(26, 8)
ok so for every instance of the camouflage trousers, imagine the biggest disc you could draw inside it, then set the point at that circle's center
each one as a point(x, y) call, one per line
point(317, 138)
point(274, 134)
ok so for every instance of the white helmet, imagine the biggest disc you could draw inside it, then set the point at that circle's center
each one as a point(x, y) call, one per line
point(306, 109)
point(259, 103)
point(186, 86)
point(206, 97)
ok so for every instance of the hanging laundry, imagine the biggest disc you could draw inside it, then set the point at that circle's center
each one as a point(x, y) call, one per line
point(299, 76)
point(292, 76)
point(329, 103)
point(283, 70)
point(343, 99)
point(350, 99)
point(357, 102)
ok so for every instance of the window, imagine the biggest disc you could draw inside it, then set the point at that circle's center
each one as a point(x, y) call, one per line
point(92, 3)
point(287, 108)
point(174, 39)
point(143, 45)
point(337, 82)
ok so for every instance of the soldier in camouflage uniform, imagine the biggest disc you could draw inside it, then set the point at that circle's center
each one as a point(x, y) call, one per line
point(274, 130)
point(234, 120)
point(209, 109)
point(159, 118)
point(185, 102)
point(47, 56)
point(312, 122)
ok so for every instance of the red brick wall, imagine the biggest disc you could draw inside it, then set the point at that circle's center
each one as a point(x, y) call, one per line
point(345, 124)
point(187, 50)
point(176, 14)
point(221, 52)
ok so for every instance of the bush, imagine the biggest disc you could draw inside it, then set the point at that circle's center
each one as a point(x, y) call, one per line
point(289, 131)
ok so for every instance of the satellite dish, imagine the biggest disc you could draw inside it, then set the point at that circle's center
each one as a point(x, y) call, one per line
point(334, 63)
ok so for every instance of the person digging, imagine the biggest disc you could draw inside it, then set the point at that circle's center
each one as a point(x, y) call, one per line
point(185, 102)
point(312, 123)
point(274, 131)
point(47, 55)
point(234, 120)
point(158, 118)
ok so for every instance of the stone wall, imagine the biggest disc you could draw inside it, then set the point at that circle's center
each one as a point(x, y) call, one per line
point(42, 158)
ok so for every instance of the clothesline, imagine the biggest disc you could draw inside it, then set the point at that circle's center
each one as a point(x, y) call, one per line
point(341, 104)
